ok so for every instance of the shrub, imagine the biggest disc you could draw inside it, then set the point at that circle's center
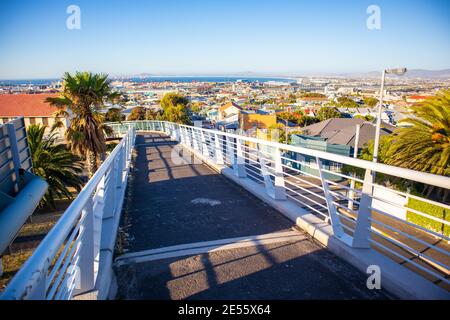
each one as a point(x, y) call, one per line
point(432, 210)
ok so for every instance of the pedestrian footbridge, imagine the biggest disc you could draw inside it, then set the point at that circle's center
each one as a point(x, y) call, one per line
point(180, 212)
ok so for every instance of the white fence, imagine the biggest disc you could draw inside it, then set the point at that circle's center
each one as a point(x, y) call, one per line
point(360, 217)
point(68, 260)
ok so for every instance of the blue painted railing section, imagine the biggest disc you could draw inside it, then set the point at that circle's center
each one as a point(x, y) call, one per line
point(20, 189)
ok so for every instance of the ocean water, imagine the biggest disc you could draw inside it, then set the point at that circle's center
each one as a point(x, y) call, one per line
point(158, 79)
point(209, 79)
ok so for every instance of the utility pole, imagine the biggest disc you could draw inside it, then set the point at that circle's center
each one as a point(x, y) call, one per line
point(399, 72)
point(355, 155)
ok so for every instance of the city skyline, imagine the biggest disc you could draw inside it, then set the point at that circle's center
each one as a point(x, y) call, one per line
point(286, 38)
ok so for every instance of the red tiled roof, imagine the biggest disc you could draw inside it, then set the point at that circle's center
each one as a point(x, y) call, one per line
point(418, 97)
point(230, 104)
point(27, 105)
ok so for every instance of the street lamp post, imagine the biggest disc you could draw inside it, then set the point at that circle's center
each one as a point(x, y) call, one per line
point(286, 131)
point(399, 72)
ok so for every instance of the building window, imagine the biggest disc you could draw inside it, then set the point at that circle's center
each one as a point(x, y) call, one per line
point(45, 121)
point(5, 120)
point(32, 120)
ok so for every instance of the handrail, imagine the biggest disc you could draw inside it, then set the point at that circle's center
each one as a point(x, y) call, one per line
point(75, 246)
point(32, 275)
point(267, 164)
point(419, 176)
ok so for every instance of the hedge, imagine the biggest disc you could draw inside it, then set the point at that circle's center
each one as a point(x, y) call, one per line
point(432, 210)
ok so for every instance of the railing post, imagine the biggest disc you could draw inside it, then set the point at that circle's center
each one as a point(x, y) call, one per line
point(218, 149)
point(361, 236)
point(120, 168)
point(184, 138)
point(275, 189)
point(265, 172)
point(177, 130)
point(109, 190)
point(230, 151)
point(239, 166)
point(205, 150)
point(279, 187)
point(89, 251)
point(195, 142)
point(181, 134)
point(338, 231)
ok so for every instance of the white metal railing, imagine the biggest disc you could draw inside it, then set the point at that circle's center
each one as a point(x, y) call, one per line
point(352, 206)
point(67, 260)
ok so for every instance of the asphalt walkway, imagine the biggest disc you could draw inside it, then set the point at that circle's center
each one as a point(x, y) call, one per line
point(189, 233)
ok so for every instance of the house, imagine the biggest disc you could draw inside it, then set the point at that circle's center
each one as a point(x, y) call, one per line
point(229, 109)
point(416, 98)
point(249, 120)
point(336, 136)
point(342, 131)
point(308, 164)
point(312, 101)
point(32, 107)
point(386, 115)
point(212, 115)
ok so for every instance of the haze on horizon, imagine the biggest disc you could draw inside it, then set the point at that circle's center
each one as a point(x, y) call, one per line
point(200, 37)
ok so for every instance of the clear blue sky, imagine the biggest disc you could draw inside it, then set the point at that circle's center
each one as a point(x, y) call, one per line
point(220, 36)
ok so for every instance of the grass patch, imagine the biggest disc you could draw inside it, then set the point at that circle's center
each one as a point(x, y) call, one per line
point(432, 210)
point(21, 251)
point(12, 263)
point(36, 228)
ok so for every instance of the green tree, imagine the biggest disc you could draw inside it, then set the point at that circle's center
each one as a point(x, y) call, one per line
point(313, 95)
point(367, 154)
point(82, 96)
point(172, 99)
point(137, 113)
point(367, 117)
point(326, 113)
point(196, 107)
point(425, 145)
point(277, 130)
point(151, 114)
point(370, 101)
point(175, 108)
point(114, 115)
point(287, 116)
point(383, 151)
point(54, 163)
point(346, 102)
point(307, 120)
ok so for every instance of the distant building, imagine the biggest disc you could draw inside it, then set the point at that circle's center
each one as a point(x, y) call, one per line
point(229, 109)
point(336, 136)
point(342, 131)
point(32, 107)
point(249, 121)
point(312, 101)
point(308, 164)
point(386, 115)
point(416, 98)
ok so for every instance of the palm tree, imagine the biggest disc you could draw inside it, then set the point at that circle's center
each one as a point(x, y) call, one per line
point(82, 96)
point(425, 145)
point(54, 163)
